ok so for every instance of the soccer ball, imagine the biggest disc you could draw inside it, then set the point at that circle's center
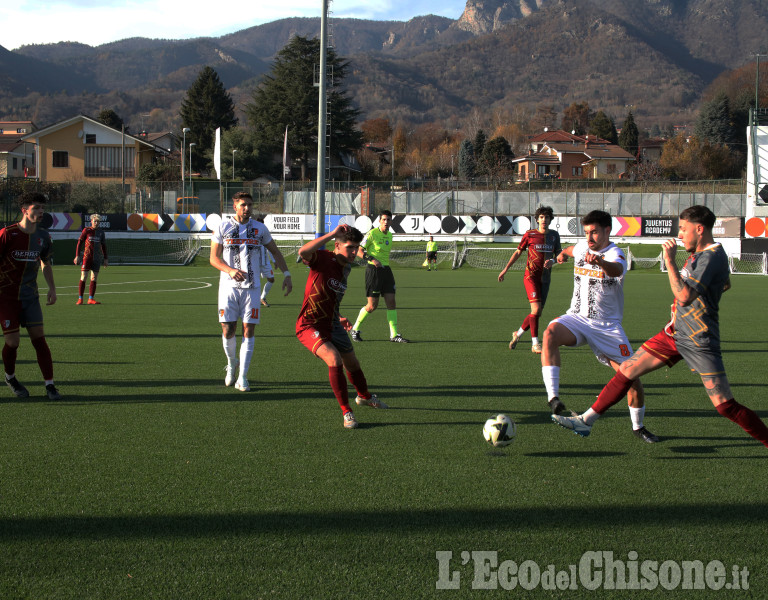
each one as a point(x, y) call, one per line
point(499, 431)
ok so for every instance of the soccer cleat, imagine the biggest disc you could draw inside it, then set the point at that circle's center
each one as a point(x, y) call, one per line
point(399, 339)
point(556, 406)
point(645, 435)
point(373, 401)
point(349, 420)
point(355, 335)
point(231, 375)
point(79, 301)
point(264, 303)
point(92, 301)
point(514, 340)
point(575, 424)
point(52, 392)
point(536, 348)
point(17, 388)
point(242, 385)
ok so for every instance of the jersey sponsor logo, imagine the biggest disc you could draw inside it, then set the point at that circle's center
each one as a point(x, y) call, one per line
point(241, 241)
point(598, 273)
point(26, 255)
point(336, 285)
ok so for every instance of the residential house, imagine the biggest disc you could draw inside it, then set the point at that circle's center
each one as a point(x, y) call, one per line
point(81, 149)
point(561, 155)
point(651, 148)
point(16, 157)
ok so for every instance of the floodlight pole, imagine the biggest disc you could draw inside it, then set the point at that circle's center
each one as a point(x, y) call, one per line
point(321, 125)
point(191, 189)
point(183, 143)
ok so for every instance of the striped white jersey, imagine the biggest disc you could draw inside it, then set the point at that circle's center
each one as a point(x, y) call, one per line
point(242, 245)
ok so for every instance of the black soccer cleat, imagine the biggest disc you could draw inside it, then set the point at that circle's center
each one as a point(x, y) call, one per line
point(17, 388)
point(355, 335)
point(556, 406)
point(645, 435)
point(52, 392)
point(399, 339)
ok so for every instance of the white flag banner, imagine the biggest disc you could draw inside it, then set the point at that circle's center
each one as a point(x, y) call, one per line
point(286, 156)
point(217, 154)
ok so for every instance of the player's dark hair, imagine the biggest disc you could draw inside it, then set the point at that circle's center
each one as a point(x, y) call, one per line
point(350, 235)
point(544, 210)
point(240, 195)
point(28, 198)
point(386, 212)
point(699, 214)
point(597, 217)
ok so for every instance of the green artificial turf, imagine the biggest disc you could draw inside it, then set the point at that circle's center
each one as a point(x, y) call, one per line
point(150, 479)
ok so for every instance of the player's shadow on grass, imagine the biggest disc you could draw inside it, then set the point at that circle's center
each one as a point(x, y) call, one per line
point(574, 519)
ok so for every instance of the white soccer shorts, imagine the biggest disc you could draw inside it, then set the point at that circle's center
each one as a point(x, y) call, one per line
point(607, 340)
point(236, 304)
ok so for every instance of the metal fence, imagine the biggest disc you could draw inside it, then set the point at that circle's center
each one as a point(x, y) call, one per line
point(726, 198)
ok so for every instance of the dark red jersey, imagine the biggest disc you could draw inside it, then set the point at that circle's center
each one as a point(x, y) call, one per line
point(93, 243)
point(541, 247)
point(20, 256)
point(325, 288)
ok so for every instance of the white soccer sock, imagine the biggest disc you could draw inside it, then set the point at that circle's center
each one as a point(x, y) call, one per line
point(534, 340)
point(637, 414)
point(520, 332)
point(246, 352)
point(590, 416)
point(265, 291)
point(551, 376)
point(230, 349)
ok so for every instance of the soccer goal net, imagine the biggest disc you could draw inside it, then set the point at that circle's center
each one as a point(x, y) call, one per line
point(158, 250)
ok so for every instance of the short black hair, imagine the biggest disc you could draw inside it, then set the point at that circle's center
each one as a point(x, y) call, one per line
point(28, 198)
point(240, 195)
point(597, 217)
point(386, 212)
point(699, 214)
point(544, 210)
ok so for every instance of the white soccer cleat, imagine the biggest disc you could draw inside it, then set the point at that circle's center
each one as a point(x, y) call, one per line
point(242, 385)
point(349, 420)
point(513, 343)
point(231, 375)
point(575, 424)
point(373, 401)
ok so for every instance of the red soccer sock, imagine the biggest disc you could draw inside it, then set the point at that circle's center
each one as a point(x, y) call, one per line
point(613, 391)
point(92, 288)
point(357, 379)
point(81, 288)
point(745, 418)
point(533, 320)
point(526, 323)
point(339, 387)
point(9, 359)
point(44, 359)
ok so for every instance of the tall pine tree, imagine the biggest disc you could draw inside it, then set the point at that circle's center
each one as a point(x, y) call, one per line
point(629, 138)
point(603, 127)
point(206, 107)
point(714, 121)
point(287, 96)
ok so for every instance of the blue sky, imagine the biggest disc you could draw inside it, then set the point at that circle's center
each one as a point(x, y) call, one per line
point(96, 22)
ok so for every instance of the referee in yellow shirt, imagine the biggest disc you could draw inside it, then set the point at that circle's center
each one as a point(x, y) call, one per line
point(379, 280)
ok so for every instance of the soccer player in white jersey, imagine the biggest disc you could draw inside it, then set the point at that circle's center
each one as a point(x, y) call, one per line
point(595, 315)
point(236, 251)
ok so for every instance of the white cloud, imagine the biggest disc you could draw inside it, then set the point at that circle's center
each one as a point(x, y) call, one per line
point(97, 22)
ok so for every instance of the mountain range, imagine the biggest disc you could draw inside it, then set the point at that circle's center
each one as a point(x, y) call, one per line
point(653, 56)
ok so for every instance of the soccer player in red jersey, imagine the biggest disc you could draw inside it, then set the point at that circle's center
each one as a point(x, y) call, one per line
point(693, 334)
point(321, 329)
point(23, 248)
point(93, 241)
point(543, 244)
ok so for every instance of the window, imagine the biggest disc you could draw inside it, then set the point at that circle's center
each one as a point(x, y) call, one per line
point(15, 163)
point(90, 138)
point(61, 159)
point(611, 169)
point(21, 130)
point(104, 161)
point(577, 171)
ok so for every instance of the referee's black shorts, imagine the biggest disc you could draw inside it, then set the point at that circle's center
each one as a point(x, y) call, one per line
point(378, 280)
